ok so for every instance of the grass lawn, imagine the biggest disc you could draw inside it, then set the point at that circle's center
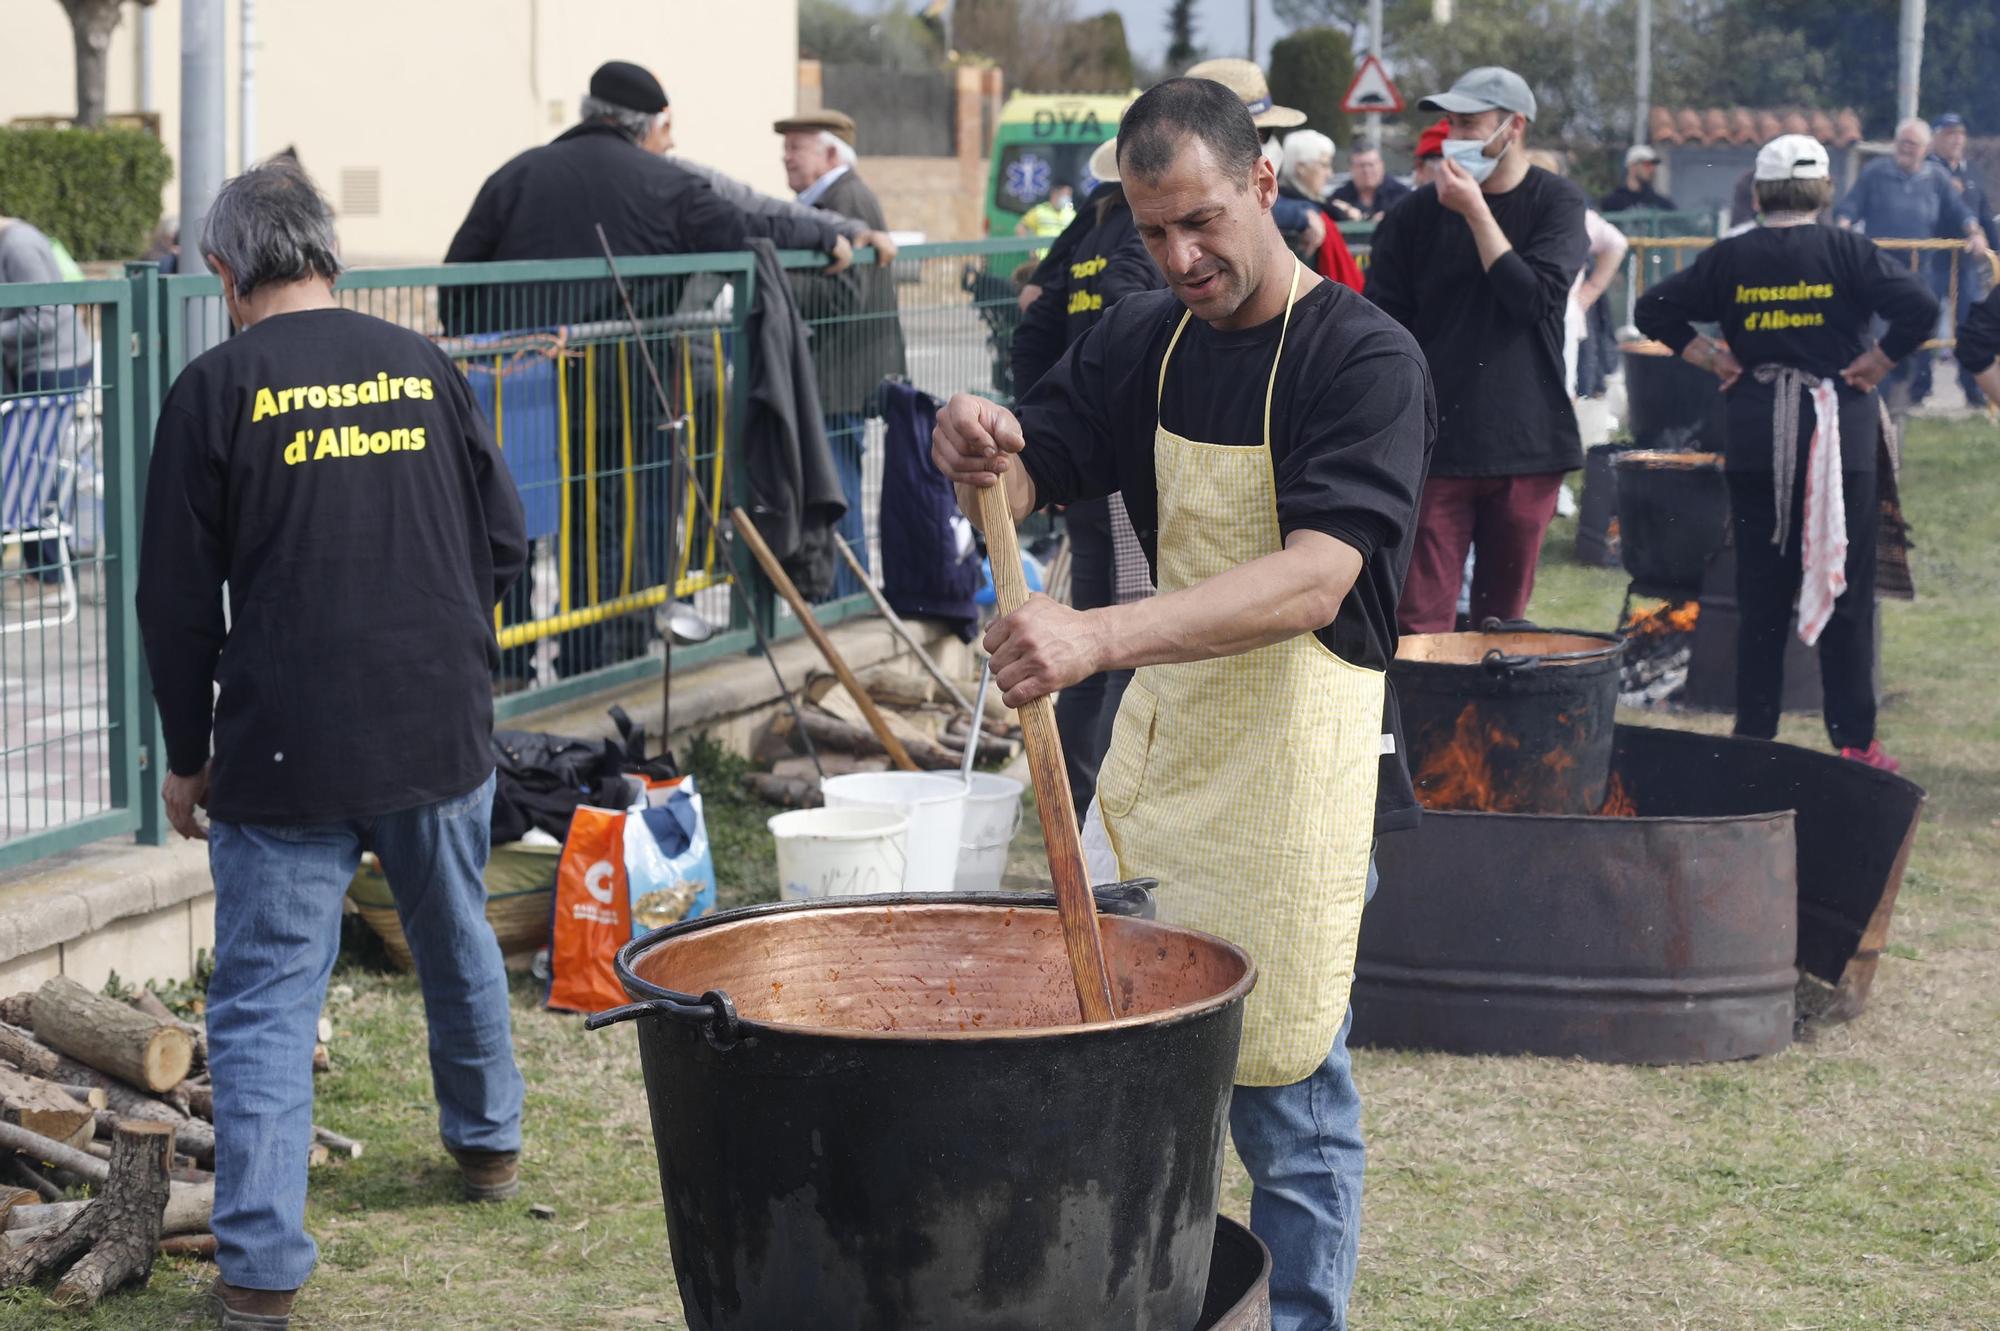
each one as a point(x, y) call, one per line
point(1853, 1181)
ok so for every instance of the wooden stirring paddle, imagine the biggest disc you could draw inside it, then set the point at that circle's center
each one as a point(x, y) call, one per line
point(1074, 903)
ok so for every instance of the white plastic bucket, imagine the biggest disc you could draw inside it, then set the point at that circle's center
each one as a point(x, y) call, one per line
point(840, 852)
point(992, 816)
point(935, 806)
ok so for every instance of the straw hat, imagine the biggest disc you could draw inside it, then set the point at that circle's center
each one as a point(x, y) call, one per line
point(1243, 78)
point(1104, 162)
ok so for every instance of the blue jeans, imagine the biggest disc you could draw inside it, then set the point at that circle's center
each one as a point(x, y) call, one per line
point(1302, 1147)
point(278, 891)
point(847, 434)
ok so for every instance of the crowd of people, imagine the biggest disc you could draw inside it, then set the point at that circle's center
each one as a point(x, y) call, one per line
point(1271, 465)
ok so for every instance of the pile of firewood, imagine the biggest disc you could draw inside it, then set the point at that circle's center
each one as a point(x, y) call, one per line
point(115, 1097)
point(931, 725)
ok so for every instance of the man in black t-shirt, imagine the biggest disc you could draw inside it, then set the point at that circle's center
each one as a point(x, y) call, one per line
point(332, 473)
point(1268, 431)
point(1642, 167)
point(1479, 266)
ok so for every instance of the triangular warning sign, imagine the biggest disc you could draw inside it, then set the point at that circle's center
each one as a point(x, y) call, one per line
point(1371, 89)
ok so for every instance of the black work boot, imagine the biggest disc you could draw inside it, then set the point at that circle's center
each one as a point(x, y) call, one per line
point(489, 1176)
point(251, 1309)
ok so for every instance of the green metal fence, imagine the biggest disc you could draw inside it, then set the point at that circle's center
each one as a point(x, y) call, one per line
point(76, 729)
point(554, 362)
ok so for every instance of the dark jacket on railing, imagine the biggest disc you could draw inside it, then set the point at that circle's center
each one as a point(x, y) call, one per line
point(547, 204)
point(857, 336)
point(795, 495)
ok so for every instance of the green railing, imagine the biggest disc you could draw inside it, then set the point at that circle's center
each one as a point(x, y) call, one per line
point(555, 363)
point(76, 721)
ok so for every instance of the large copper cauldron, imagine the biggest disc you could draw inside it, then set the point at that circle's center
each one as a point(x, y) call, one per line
point(885, 1114)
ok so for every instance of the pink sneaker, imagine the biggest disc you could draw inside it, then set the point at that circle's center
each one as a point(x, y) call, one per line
point(1874, 755)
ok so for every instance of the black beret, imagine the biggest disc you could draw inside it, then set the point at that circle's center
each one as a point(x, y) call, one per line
point(625, 84)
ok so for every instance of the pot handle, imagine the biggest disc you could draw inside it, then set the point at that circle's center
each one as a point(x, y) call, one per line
point(714, 1012)
point(1133, 898)
point(1500, 663)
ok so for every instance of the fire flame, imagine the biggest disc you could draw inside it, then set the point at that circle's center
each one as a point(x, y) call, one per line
point(1617, 800)
point(1667, 617)
point(1458, 776)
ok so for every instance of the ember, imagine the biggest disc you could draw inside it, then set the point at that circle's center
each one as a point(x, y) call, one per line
point(1659, 645)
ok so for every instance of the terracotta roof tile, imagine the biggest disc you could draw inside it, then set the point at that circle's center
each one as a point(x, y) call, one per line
point(1751, 125)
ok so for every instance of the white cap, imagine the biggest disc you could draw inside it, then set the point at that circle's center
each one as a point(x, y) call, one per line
point(1793, 157)
point(1640, 152)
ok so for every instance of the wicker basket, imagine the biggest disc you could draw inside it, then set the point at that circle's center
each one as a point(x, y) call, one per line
point(520, 894)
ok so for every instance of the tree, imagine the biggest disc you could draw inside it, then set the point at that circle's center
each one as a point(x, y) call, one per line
point(1182, 49)
point(1349, 14)
point(91, 24)
point(888, 39)
point(1310, 69)
point(1042, 46)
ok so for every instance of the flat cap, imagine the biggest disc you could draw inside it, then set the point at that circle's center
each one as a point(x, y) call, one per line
point(837, 123)
point(622, 83)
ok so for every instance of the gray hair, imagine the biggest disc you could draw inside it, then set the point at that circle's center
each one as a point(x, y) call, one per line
point(1302, 146)
point(843, 151)
point(634, 125)
point(271, 224)
point(1914, 122)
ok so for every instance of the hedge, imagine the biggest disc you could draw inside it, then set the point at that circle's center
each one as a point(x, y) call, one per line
point(1310, 69)
point(96, 190)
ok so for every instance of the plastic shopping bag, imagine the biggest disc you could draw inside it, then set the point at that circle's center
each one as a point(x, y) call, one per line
point(624, 873)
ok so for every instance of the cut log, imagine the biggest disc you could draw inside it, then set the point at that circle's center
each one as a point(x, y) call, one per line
point(43, 1107)
point(201, 1100)
point(322, 1060)
point(93, 1096)
point(12, 1197)
point(906, 729)
point(189, 1210)
point(25, 1052)
point(789, 792)
point(33, 1179)
point(149, 1003)
point(829, 731)
point(193, 1137)
point(325, 1029)
point(113, 1239)
point(317, 1154)
point(333, 1141)
point(833, 764)
point(35, 1146)
point(111, 1037)
point(200, 1246)
point(18, 1010)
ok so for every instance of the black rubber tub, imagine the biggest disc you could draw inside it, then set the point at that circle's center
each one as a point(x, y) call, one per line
point(1510, 718)
point(1670, 403)
point(885, 1114)
point(1673, 516)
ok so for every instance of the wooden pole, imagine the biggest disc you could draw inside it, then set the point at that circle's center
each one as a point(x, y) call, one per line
point(902, 630)
point(783, 582)
point(1077, 908)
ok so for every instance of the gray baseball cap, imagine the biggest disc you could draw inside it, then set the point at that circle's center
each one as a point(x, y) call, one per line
point(1487, 88)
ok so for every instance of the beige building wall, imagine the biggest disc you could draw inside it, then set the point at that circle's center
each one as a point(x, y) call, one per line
point(400, 108)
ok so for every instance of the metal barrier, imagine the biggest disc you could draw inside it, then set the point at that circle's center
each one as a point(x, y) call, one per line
point(75, 724)
point(555, 367)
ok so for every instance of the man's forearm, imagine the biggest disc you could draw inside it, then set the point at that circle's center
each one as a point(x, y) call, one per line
point(1268, 600)
point(1490, 239)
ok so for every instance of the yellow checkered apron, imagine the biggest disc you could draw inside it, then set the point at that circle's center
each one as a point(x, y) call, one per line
point(1246, 785)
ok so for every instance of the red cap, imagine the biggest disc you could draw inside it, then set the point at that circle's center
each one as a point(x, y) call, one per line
point(1430, 143)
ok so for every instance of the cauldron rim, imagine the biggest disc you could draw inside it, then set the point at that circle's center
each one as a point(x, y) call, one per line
point(1622, 820)
point(639, 989)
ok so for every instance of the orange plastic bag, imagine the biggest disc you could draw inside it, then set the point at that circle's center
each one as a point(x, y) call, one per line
point(593, 913)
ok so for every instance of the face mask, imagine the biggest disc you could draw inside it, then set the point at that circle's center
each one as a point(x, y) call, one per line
point(1470, 155)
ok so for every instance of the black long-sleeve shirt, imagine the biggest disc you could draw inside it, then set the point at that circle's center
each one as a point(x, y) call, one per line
point(1493, 336)
point(334, 472)
point(1103, 263)
point(1979, 335)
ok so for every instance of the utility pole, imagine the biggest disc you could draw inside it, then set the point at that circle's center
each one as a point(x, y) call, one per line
point(1642, 112)
point(1375, 49)
point(1909, 59)
point(246, 100)
point(204, 132)
point(1252, 57)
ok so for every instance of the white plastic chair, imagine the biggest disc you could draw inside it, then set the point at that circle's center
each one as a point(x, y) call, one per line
point(37, 490)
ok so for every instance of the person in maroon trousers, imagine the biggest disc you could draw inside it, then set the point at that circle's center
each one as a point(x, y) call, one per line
point(1478, 265)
